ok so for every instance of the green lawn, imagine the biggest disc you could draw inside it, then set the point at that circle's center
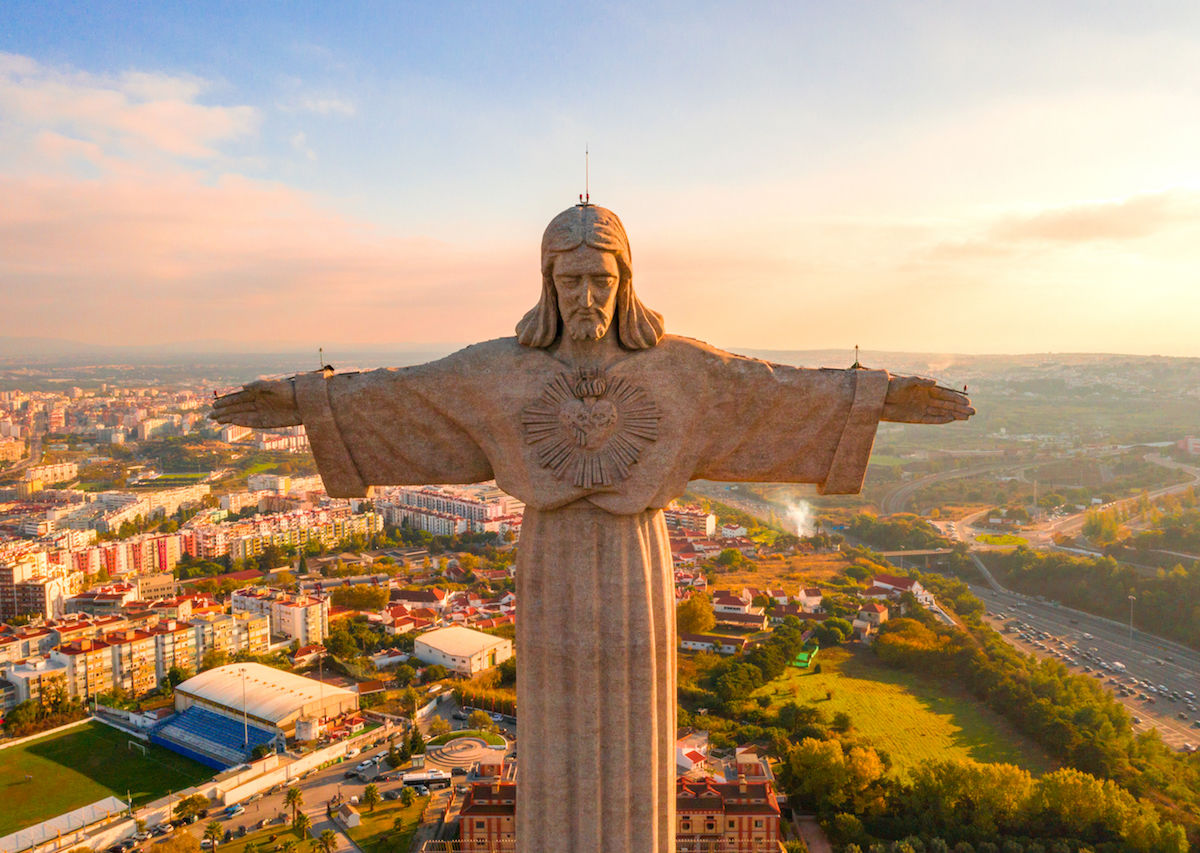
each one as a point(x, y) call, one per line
point(83, 765)
point(261, 840)
point(908, 718)
point(493, 739)
point(1002, 539)
point(378, 833)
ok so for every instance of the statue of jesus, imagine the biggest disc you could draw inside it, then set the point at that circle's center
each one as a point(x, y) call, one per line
point(596, 419)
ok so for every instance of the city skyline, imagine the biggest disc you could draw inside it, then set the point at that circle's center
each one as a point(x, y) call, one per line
point(995, 179)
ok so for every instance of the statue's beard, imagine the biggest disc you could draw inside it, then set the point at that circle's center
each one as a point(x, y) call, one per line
point(587, 326)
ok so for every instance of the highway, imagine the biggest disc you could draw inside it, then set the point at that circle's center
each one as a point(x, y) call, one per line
point(1147, 658)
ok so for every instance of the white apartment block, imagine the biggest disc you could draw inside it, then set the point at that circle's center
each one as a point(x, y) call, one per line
point(301, 617)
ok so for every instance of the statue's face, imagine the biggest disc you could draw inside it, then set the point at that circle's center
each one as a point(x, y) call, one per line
point(586, 280)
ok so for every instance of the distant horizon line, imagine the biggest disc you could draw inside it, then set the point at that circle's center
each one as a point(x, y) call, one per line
point(10, 346)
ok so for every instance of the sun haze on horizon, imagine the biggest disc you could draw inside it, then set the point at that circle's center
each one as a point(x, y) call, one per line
point(1003, 178)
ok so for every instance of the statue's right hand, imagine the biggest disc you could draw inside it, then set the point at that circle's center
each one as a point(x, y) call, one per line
point(260, 405)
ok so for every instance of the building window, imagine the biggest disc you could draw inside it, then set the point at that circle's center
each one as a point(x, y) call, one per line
point(710, 826)
point(758, 824)
point(480, 824)
point(733, 824)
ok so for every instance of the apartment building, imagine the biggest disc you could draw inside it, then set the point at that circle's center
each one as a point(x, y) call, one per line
point(133, 660)
point(88, 665)
point(301, 617)
point(488, 819)
point(737, 816)
point(36, 679)
point(174, 645)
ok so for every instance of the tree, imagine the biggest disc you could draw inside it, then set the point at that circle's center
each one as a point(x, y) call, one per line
point(438, 726)
point(213, 833)
point(212, 659)
point(695, 616)
point(407, 795)
point(416, 743)
point(370, 797)
point(394, 760)
point(404, 675)
point(405, 752)
point(294, 799)
point(436, 672)
point(480, 720)
point(410, 700)
point(191, 805)
point(328, 840)
point(176, 675)
point(302, 824)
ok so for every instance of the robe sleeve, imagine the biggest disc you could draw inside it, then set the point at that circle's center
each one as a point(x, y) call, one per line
point(774, 423)
point(398, 426)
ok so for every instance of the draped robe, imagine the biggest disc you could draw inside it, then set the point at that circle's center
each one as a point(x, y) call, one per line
point(595, 456)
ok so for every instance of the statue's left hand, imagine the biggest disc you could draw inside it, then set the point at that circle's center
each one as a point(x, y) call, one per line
point(913, 400)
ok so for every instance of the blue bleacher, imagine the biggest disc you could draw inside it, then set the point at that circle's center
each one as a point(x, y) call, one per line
point(212, 739)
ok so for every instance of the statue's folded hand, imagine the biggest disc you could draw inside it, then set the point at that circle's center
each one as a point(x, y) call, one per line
point(261, 405)
point(914, 400)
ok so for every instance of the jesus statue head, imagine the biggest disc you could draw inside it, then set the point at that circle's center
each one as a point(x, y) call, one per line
point(587, 284)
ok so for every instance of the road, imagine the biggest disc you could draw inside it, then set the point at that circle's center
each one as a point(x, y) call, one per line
point(321, 786)
point(899, 498)
point(1148, 658)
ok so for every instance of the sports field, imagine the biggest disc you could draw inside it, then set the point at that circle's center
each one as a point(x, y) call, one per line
point(898, 712)
point(54, 774)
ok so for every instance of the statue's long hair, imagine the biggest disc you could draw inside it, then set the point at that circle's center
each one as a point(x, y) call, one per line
point(637, 326)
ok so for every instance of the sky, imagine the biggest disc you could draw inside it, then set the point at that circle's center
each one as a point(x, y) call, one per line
point(921, 176)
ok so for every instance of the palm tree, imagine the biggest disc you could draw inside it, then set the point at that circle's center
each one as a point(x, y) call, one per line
point(213, 832)
point(302, 824)
point(370, 797)
point(287, 846)
point(328, 840)
point(294, 799)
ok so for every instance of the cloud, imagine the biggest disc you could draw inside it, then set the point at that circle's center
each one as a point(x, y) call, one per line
point(158, 258)
point(132, 112)
point(300, 144)
point(1127, 219)
point(318, 105)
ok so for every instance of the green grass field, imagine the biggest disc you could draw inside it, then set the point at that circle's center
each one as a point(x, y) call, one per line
point(83, 765)
point(1002, 539)
point(489, 737)
point(378, 832)
point(896, 711)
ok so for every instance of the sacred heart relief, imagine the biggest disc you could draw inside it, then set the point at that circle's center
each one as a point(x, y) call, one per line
point(590, 428)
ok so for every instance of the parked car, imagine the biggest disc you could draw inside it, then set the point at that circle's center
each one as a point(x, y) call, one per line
point(393, 794)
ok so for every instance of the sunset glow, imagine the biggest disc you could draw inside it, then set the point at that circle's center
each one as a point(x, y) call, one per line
point(1003, 179)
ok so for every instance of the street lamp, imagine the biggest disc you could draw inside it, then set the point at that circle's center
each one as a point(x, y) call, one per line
point(1132, 599)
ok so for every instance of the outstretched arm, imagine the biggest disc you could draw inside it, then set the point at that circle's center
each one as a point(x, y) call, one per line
point(913, 400)
point(265, 404)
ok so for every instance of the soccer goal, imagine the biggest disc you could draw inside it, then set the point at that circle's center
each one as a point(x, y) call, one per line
point(139, 747)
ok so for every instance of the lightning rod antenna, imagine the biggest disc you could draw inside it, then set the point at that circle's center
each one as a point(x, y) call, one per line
point(320, 358)
point(585, 197)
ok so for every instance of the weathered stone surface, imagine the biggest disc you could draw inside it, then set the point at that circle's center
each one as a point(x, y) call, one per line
point(596, 419)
